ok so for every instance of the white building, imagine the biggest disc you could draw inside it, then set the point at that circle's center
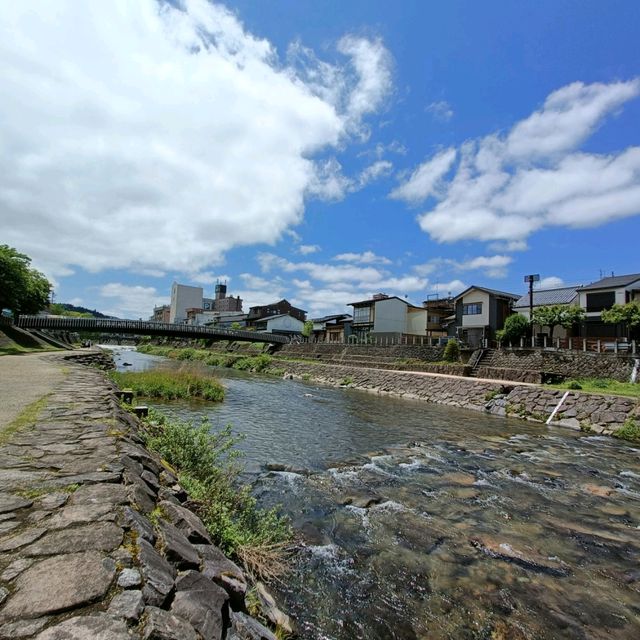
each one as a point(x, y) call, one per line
point(388, 317)
point(184, 297)
point(282, 323)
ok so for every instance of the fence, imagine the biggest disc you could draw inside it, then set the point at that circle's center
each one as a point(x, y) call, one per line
point(593, 345)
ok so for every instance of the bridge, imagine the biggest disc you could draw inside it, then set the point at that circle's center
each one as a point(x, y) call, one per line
point(134, 327)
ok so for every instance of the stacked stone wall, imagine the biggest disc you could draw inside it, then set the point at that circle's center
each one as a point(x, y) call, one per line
point(328, 351)
point(571, 364)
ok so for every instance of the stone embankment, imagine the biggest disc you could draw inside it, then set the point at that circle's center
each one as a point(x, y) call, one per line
point(599, 413)
point(96, 540)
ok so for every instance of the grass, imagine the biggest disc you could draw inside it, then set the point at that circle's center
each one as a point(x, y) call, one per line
point(255, 363)
point(629, 431)
point(207, 466)
point(27, 418)
point(601, 386)
point(170, 385)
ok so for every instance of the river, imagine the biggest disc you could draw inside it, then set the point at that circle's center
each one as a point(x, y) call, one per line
point(423, 521)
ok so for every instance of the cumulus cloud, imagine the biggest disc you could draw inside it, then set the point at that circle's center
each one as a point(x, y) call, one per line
point(367, 257)
point(158, 135)
point(506, 186)
point(550, 282)
point(426, 180)
point(126, 301)
point(306, 249)
point(492, 266)
point(440, 110)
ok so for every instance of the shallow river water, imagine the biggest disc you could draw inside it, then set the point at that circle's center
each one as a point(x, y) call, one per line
point(422, 521)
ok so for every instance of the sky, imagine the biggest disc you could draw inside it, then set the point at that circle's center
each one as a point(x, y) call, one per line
point(321, 151)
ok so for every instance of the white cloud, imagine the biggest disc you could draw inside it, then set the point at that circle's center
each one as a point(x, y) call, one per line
point(367, 257)
point(208, 277)
point(550, 282)
point(492, 266)
point(507, 186)
point(377, 170)
point(426, 179)
point(440, 110)
point(306, 249)
point(134, 143)
point(126, 301)
point(513, 245)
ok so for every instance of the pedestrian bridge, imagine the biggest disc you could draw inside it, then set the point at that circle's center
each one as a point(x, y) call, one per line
point(140, 328)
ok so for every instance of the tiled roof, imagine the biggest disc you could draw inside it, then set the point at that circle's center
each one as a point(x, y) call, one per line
point(544, 297)
point(612, 282)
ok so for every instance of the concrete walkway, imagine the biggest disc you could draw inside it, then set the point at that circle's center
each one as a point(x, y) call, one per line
point(25, 379)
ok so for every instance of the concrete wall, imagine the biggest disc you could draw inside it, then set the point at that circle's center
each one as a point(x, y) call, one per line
point(481, 319)
point(284, 323)
point(184, 297)
point(416, 321)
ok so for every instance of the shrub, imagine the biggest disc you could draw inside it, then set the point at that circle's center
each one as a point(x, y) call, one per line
point(452, 351)
point(515, 327)
point(629, 431)
point(573, 384)
point(208, 469)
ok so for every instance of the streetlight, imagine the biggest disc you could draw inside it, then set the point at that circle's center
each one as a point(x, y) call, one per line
point(534, 277)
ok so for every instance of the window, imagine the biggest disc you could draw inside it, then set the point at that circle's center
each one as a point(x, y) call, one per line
point(600, 301)
point(362, 314)
point(434, 319)
point(472, 309)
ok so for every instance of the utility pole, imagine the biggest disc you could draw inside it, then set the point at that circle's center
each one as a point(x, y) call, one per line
point(534, 277)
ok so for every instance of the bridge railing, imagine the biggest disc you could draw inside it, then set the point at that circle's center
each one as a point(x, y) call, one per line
point(140, 327)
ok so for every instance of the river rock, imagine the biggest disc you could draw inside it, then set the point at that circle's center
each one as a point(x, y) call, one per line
point(101, 494)
point(127, 605)
point(9, 502)
point(80, 578)
point(162, 625)
point(157, 573)
point(186, 521)
point(96, 627)
point(101, 536)
point(21, 539)
point(176, 547)
point(129, 578)
point(246, 628)
point(22, 628)
point(597, 490)
point(16, 568)
point(362, 500)
point(202, 603)
point(225, 573)
point(138, 523)
point(271, 611)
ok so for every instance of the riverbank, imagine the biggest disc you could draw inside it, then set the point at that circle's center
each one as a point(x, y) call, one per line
point(95, 535)
point(602, 413)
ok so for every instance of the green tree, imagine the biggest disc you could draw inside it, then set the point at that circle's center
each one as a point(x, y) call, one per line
point(452, 351)
point(515, 327)
point(557, 315)
point(22, 289)
point(307, 329)
point(236, 326)
point(628, 313)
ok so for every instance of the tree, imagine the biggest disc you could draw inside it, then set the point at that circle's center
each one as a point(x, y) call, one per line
point(557, 315)
point(628, 313)
point(515, 327)
point(236, 326)
point(452, 351)
point(22, 289)
point(307, 329)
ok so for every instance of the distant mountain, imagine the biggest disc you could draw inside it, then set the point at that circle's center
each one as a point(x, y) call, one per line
point(63, 307)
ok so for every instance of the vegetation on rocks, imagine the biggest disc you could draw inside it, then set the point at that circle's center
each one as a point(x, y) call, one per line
point(629, 431)
point(207, 466)
point(257, 363)
point(601, 385)
point(170, 384)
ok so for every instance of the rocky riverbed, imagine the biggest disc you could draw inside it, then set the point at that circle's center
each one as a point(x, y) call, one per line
point(80, 556)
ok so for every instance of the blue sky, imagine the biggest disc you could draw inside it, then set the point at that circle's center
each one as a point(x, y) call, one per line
point(318, 151)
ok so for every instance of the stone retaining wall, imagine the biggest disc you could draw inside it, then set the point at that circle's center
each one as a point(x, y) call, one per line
point(95, 537)
point(337, 352)
point(515, 375)
point(600, 413)
point(572, 364)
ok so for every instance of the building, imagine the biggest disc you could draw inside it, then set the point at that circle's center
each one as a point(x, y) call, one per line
point(386, 316)
point(222, 302)
point(183, 297)
point(283, 324)
point(161, 313)
point(603, 294)
point(479, 313)
point(560, 296)
point(438, 311)
point(330, 328)
point(281, 307)
point(218, 319)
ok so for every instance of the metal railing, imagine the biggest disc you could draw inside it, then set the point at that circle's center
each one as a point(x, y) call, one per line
point(620, 346)
point(139, 327)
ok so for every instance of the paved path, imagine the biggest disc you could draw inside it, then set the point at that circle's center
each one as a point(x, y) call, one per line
point(25, 379)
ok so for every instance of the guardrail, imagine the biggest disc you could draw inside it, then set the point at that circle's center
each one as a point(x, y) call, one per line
point(140, 327)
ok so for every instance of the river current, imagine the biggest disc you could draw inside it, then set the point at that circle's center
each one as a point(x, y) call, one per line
point(423, 521)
